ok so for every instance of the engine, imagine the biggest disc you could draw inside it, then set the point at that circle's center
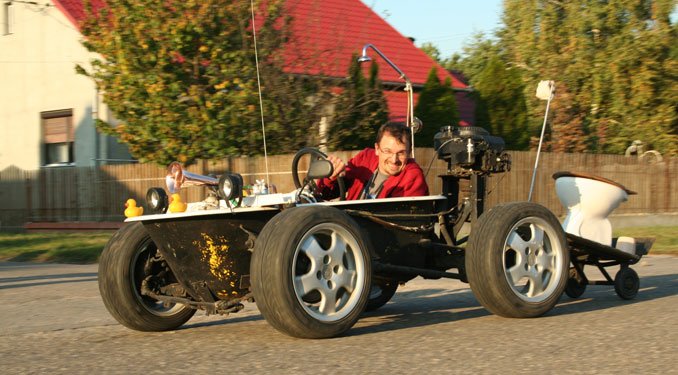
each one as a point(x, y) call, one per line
point(471, 150)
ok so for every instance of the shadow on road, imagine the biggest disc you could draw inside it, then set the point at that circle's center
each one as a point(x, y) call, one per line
point(47, 277)
point(601, 297)
point(434, 306)
point(224, 321)
point(20, 281)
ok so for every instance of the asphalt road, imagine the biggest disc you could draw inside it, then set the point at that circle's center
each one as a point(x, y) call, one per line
point(53, 321)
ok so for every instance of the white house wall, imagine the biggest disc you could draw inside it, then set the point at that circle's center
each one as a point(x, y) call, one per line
point(37, 74)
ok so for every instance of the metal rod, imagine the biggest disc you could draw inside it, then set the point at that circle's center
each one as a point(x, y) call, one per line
point(408, 87)
point(423, 272)
point(541, 139)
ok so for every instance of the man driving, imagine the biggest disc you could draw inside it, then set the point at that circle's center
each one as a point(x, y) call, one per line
point(380, 172)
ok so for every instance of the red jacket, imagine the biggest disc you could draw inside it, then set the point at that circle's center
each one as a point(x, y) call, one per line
point(410, 182)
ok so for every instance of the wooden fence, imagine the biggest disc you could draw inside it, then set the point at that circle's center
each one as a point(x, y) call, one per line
point(99, 193)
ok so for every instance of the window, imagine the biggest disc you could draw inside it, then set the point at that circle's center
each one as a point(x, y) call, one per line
point(57, 137)
point(7, 18)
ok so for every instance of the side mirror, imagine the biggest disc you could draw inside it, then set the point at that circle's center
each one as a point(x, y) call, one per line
point(319, 168)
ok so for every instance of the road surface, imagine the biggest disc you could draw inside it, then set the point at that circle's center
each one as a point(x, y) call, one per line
point(53, 321)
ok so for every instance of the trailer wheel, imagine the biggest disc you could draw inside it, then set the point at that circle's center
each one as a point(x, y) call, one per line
point(626, 283)
point(129, 257)
point(574, 289)
point(311, 272)
point(381, 292)
point(517, 260)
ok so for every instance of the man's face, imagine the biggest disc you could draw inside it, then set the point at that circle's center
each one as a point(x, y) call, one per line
point(392, 154)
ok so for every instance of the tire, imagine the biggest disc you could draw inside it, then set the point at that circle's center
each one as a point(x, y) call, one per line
point(517, 260)
point(380, 293)
point(123, 265)
point(626, 283)
point(574, 289)
point(311, 272)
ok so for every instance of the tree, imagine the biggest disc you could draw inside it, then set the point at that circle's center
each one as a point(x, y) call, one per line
point(181, 78)
point(498, 91)
point(500, 104)
point(613, 68)
point(360, 110)
point(436, 107)
point(431, 50)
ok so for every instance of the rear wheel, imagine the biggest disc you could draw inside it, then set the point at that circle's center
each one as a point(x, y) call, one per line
point(626, 283)
point(574, 288)
point(381, 292)
point(128, 259)
point(311, 272)
point(517, 260)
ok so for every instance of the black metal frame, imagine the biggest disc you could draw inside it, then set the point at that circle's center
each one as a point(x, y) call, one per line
point(586, 252)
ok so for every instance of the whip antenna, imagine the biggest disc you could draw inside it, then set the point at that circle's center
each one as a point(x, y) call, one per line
point(261, 101)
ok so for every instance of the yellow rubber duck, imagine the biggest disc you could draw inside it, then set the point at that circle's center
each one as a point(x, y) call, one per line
point(132, 210)
point(176, 204)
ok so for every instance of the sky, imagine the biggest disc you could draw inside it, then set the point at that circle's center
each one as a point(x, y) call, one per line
point(448, 24)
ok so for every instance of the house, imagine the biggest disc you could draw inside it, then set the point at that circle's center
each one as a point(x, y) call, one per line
point(47, 111)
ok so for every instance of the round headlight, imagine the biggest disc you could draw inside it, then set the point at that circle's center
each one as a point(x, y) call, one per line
point(230, 188)
point(156, 200)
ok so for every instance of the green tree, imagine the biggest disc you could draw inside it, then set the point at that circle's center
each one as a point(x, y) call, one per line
point(500, 104)
point(436, 107)
point(432, 51)
point(180, 76)
point(613, 68)
point(360, 110)
point(498, 91)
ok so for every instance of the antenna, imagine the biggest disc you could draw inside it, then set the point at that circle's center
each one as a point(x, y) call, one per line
point(261, 102)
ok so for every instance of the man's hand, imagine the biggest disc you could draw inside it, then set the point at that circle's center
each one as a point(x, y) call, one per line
point(338, 165)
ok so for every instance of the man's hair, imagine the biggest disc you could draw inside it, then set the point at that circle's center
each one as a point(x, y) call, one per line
point(397, 130)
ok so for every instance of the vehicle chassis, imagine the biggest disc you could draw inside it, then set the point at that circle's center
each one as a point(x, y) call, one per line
point(313, 268)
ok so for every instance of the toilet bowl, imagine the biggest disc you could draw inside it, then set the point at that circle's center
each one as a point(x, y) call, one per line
point(589, 201)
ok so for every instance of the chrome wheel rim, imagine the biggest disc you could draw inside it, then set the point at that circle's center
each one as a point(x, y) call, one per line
point(329, 272)
point(533, 259)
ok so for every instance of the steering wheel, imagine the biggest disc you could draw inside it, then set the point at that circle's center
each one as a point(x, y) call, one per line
point(316, 155)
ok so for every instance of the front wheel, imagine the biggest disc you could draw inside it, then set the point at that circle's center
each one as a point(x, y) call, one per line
point(311, 272)
point(517, 260)
point(129, 258)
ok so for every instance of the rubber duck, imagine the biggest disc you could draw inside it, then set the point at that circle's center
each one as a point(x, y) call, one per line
point(131, 209)
point(176, 204)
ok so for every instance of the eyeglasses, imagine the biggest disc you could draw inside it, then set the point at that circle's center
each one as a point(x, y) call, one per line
point(399, 155)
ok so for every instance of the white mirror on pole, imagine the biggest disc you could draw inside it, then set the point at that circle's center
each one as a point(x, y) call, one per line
point(545, 90)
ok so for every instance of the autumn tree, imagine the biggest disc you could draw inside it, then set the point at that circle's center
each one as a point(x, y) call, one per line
point(498, 91)
point(613, 67)
point(436, 107)
point(181, 78)
point(359, 111)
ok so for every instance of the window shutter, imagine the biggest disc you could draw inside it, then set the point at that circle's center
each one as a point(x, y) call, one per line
point(57, 129)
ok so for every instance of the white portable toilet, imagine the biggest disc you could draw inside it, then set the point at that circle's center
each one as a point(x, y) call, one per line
point(589, 201)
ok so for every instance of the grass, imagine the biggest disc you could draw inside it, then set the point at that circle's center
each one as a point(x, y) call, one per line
point(53, 247)
point(86, 247)
point(666, 237)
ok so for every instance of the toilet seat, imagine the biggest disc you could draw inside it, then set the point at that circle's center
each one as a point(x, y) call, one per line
point(589, 200)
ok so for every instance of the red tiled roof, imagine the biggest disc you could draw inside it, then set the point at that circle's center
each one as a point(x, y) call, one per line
point(74, 10)
point(325, 34)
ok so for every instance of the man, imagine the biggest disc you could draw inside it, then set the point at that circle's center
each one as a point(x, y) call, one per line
point(380, 172)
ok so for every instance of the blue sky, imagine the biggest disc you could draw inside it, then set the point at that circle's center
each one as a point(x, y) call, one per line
point(446, 23)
